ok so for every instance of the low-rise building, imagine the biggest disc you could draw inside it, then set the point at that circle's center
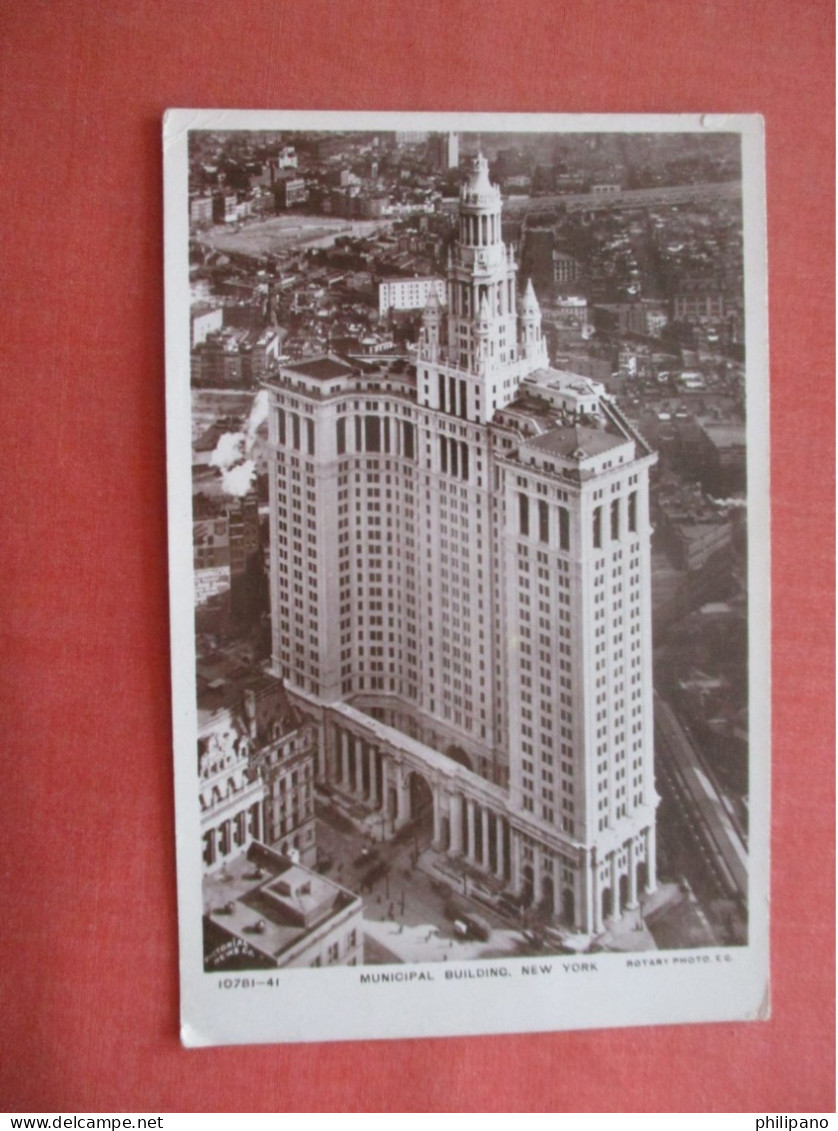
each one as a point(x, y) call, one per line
point(250, 732)
point(231, 792)
point(283, 749)
point(264, 911)
point(696, 531)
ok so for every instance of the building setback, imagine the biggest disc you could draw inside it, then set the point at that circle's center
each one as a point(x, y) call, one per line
point(460, 587)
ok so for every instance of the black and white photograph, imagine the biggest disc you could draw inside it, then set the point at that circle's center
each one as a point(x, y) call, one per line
point(468, 450)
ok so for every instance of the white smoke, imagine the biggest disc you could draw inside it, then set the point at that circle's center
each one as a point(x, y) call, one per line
point(229, 450)
point(237, 480)
point(234, 450)
point(258, 415)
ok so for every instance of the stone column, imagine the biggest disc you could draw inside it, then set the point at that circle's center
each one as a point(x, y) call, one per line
point(455, 821)
point(616, 913)
point(437, 838)
point(536, 876)
point(402, 798)
point(385, 792)
point(372, 755)
point(344, 761)
point(651, 861)
point(470, 854)
point(500, 863)
point(515, 862)
point(358, 765)
point(632, 876)
point(484, 828)
point(332, 755)
point(596, 897)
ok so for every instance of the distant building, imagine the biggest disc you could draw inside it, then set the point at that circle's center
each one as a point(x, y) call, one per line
point(693, 306)
point(565, 268)
point(408, 294)
point(287, 158)
point(571, 312)
point(289, 190)
point(211, 542)
point(265, 912)
point(243, 521)
point(724, 455)
point(234, 355)
point(200, 210)
point(643, 316)
point(205, 319)
point(695, 531)
point(444, 151)
point(411, 137)
point(225, 208)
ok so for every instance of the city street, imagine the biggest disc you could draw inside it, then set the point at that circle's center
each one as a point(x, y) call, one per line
point(404, 913)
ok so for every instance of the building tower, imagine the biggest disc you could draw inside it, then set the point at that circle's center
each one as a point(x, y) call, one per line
point(460, 581)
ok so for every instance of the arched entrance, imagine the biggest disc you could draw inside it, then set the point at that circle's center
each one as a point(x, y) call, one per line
point(548, 896)
point(458, 755)
point(607, 903)
point(624, 892)
point(642, 876)
point(421, 810)
point(526, 885)
point(421, 797)
point(568, 907)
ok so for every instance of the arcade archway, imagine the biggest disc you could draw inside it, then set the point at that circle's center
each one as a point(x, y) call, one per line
point(458, 755)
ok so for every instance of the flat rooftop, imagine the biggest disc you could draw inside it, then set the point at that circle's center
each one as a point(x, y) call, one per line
point(270, 903)
point(324, 368)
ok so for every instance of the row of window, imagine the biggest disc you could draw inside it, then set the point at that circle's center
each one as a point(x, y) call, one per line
point(615, 511)
point(543, 520)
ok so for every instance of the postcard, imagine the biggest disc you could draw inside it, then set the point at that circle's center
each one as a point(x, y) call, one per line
point(469, 547)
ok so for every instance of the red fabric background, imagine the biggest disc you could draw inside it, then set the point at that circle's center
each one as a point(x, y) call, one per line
point(89, 965)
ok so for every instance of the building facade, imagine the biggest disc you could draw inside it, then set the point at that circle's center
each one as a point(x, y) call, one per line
point(460, 581)
point(399, 293)
point(256, 759)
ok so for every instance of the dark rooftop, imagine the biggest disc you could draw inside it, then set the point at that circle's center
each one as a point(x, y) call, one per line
point(575, 441)
point(323, 368)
